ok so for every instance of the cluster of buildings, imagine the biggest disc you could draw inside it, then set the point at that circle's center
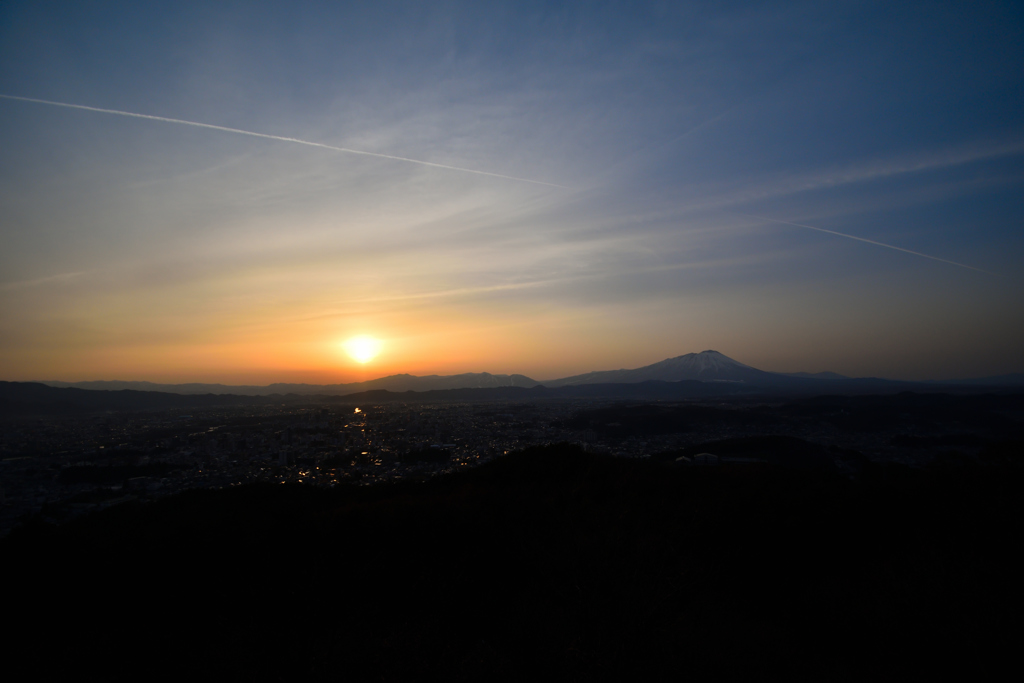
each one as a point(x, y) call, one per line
point(58, 467)
point(55, 468)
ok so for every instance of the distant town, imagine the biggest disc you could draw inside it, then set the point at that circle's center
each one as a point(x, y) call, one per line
point(57, 467)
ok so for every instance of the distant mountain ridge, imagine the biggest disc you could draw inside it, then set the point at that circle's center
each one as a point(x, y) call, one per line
point(707, 366)
point(403, 382)
point(1016, 378)
point(816, 375)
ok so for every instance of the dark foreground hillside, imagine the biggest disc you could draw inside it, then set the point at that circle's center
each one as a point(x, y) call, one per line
point(548, 563)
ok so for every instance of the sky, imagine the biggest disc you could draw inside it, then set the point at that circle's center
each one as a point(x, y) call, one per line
point(540, 188)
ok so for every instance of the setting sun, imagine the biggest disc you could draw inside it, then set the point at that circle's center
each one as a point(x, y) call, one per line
point(362, 348)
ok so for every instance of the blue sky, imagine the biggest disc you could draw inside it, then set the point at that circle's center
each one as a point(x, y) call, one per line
point(687, 138)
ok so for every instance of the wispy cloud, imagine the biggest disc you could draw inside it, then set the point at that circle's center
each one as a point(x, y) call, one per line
point(472, 291)
point(916, 163)
point(863, 172)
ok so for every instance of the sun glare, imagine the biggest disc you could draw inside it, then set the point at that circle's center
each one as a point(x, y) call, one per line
point(362, 348)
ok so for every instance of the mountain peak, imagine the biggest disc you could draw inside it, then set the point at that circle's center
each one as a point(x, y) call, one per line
point(708, 365)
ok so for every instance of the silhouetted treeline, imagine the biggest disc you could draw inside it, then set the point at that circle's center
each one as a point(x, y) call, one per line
point(651, 419)
point(781, 451)
point(926, 412)
point(549, 563)
point(32, 398)
point(112, 474)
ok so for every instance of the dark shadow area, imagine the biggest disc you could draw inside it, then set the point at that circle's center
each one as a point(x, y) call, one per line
point(781, 451)
point(548, 563)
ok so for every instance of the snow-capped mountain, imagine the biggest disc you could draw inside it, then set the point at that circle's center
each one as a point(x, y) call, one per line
point(707, 366)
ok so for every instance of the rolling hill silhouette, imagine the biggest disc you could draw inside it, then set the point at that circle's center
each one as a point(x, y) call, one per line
point(707, 367)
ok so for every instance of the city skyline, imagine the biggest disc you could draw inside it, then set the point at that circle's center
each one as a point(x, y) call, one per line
point(197, 194)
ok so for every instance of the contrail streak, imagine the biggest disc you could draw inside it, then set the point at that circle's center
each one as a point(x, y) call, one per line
point(25, 284)
point(862, 239)
point(282, 139)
